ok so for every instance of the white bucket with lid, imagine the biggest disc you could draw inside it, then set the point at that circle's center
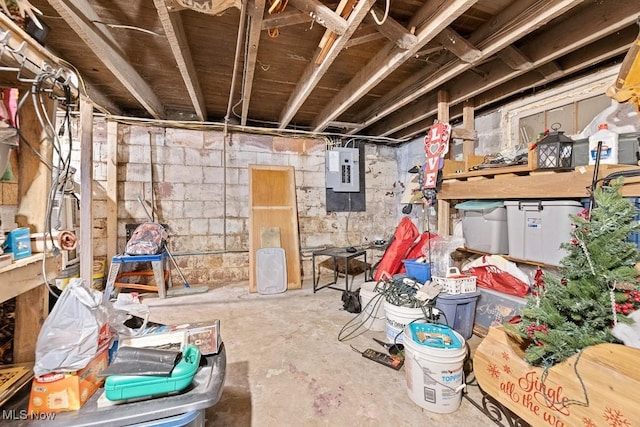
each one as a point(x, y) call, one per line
point(372, 307)
point(435, 376)
point(397, 318)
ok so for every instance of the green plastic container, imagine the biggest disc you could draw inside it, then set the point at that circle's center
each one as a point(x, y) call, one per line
point(121, 387)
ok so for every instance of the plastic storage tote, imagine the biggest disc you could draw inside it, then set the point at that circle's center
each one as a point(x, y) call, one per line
point(538, 227)
point(459, 311)
point(484, 225)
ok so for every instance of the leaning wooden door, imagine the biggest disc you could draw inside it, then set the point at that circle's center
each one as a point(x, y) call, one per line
point(272, 203)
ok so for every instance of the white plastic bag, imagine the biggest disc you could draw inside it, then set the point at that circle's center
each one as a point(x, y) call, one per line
point(70, 336)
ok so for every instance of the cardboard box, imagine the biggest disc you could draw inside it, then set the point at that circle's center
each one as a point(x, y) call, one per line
point(59, 392)
point(204, 335)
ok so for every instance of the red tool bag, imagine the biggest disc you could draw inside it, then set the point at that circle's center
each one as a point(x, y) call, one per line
point(405, 235)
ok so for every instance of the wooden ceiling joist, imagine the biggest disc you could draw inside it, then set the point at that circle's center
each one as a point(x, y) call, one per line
point(509, 88)
point(285, 19)
point(514, 58)
point(524, 23)
point(314, 71)
point(321, 14)
point(256, 11)
point(393, 30)
point(412, 120)
point(78, 15)
point(390, 58)
point(355, 41)
point(35, 54)
point(550, 71)
point(458, 45)
point(174, 31)
point(344, 9)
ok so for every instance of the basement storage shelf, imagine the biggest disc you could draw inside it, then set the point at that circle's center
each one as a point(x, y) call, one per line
point(484, 225)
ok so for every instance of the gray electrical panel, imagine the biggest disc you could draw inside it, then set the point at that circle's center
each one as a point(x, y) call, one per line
point(342, 169)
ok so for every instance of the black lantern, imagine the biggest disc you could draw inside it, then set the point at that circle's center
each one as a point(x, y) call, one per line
point(555, 150)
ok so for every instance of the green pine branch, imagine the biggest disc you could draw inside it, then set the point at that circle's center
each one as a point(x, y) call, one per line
point(574, 309)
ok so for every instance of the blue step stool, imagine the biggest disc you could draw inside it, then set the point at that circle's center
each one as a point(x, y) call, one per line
point(121, 268)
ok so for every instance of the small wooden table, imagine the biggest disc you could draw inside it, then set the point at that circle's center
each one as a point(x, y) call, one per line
point(337, 254)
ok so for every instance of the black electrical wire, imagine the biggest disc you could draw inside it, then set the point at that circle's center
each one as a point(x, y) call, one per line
point(355, 327)
point(396, 291)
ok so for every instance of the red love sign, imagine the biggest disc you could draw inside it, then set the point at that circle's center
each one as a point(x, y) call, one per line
point(436, 144)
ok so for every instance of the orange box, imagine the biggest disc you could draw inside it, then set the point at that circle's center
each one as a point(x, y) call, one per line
point(58, 392)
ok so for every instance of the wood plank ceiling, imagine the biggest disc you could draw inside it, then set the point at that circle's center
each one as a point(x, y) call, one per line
point(351, 67)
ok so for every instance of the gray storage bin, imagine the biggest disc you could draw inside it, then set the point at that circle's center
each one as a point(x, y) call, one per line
point(538, 227)
point(484, 225)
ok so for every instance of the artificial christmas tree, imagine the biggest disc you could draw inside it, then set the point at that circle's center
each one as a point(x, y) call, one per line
point(583, 377)
point(578, 307)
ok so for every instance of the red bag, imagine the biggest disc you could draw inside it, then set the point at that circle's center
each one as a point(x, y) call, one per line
point(416, 250)
point(492, 277)
point(406, 233)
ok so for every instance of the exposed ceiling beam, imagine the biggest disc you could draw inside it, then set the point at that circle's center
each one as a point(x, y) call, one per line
point(550, 71)
point(355, 41)
point(174, 31)
point(519, 20)
point(429, 49)
point(458, 45)
point(344, 9)
point(35, 55)
point(514, 58)
point(618, 22)
point(321, 14)
point(78, 15)
point(314, 71)
point(256, 12)
point(393, 30)
point(390, 57)
point(285, 19)
point(527, 81)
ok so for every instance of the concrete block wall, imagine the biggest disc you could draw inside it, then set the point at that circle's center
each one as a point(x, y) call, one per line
point(197, 182)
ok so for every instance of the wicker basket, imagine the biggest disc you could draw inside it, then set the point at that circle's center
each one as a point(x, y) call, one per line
point(456, 283)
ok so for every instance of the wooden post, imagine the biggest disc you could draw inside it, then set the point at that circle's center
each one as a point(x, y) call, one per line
point(34, 181)
point(468, 122)
point(443, 105)
point(34, 177)
point(32, 308)
point(443, 205)
point(112, 189)
point(86, 190)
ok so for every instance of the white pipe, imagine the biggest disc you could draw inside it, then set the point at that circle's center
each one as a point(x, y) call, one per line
point(235, 64)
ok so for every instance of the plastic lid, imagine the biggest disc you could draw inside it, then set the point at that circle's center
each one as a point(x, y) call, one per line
point(603, 126)
point(479, 205)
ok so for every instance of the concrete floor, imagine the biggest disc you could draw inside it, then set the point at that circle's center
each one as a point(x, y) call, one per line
point(286, 367)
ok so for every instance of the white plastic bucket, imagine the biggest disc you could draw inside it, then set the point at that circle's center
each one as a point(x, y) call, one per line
point(372, 307)
point(397, 318)
point(434, 375)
